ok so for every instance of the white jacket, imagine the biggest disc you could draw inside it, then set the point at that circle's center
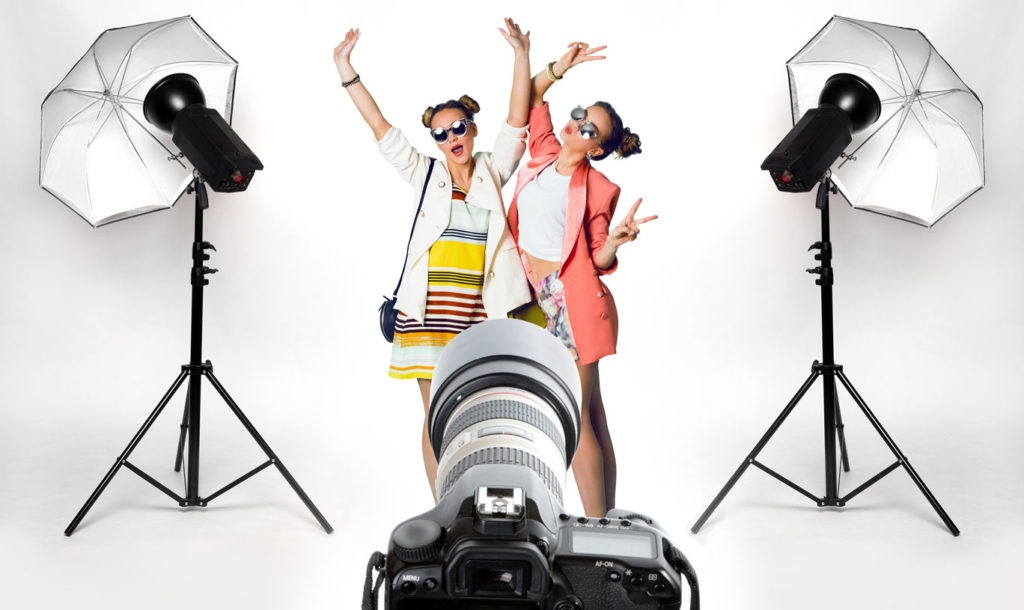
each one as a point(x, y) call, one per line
point(505, 285)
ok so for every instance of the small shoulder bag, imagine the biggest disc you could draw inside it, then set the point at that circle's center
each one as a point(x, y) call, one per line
point(388, 312)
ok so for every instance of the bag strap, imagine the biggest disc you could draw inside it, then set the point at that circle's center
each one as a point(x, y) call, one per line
point(408, 245)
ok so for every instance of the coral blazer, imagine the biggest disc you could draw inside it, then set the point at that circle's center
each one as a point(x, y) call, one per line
point(592, 200)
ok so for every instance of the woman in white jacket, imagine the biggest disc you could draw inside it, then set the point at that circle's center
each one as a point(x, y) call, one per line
point(463, 266)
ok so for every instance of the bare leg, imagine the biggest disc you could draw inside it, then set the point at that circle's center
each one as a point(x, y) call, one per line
point(429, 461)
point(588, 466)
point(599, 422)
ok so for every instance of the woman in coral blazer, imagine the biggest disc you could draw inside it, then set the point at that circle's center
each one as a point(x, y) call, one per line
point(560, 218)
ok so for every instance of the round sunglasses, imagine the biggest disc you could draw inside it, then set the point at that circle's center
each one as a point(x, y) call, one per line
point(458, 129)
point(587, 129)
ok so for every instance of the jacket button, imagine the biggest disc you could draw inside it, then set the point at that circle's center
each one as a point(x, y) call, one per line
point(423, 214)
point(440, 184)
point(600, 293)
point(604, 316)
point(491, 274)
point(480, 179)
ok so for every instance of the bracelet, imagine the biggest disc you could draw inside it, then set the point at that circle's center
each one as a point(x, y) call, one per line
point(551, 73)
point(351, 82)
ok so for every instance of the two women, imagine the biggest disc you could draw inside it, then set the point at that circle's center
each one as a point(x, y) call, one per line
point(466, 263)
point(462, 266)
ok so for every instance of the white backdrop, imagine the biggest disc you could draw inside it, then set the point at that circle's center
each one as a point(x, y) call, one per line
point(720, 322)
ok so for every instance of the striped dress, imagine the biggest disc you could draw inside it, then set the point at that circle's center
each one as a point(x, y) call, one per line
point(455, 280)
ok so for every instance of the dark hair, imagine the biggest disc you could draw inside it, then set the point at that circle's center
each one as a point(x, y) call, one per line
point(621, 140)
point(466, 104)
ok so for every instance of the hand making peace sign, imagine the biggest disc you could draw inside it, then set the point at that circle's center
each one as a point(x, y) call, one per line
point(629, 228)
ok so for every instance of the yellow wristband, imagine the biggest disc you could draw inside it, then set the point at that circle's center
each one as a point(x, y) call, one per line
point(551, 72)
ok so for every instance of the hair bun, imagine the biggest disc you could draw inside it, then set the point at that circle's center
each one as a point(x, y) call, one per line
point(428, 115)
point(470, 104)
point(630, 144)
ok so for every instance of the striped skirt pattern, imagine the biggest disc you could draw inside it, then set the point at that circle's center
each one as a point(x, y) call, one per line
point(455, 280)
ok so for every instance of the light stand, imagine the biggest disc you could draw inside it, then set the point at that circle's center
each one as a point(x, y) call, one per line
point(195, 370)
point(829, 371)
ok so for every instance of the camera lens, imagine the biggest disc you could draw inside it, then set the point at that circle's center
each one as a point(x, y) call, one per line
point(505, 392)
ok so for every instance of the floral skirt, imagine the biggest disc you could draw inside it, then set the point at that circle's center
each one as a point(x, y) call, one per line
point(551, 298)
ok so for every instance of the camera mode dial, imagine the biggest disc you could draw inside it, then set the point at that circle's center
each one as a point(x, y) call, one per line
point(417, 541)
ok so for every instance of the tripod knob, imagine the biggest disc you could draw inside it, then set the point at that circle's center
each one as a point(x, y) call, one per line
point(199, 250)
point(825, 248)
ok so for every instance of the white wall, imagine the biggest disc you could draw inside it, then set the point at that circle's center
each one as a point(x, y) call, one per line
point(719, 322)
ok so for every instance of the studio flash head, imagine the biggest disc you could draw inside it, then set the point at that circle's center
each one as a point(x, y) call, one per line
point(847, 104)
point(176, 104)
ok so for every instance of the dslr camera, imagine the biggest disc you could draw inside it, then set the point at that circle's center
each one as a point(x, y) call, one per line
point(504, 425)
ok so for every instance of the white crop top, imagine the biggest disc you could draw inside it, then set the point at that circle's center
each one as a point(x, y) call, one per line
point(542, 205)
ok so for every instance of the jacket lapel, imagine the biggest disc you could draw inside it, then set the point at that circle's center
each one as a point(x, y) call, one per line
point(575, 208)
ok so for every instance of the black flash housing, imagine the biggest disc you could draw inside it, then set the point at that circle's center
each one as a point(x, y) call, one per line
point(176, 104)
point(847, 104)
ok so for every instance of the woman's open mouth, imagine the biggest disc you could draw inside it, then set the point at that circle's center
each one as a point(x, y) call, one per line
point(457, 150)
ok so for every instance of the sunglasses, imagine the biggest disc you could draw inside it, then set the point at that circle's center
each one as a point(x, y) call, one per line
point(458, 129)
point(587, 129)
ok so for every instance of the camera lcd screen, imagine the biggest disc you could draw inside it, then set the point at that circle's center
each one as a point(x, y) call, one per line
point(613, 543)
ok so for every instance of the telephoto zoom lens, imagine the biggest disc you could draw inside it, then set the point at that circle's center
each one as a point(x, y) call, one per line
point(505, 393)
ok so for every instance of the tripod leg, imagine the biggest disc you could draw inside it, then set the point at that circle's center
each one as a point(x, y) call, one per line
point(757, 449)
point(121, 459)
point(901, 459)
point(267, 450)
point(842, 436)
point(179, 456)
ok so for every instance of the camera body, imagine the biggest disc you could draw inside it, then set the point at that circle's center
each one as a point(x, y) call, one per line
point(499, 547)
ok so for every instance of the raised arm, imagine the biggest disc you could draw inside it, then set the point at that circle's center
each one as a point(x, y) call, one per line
point(519, 99)
point(356, 89)
point(578, 53)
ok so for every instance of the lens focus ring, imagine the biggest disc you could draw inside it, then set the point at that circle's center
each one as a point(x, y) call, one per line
point(503, 409)
point(504, 455)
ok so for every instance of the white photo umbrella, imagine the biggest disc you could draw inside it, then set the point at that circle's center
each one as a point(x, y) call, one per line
point(925, 154)
point(98, 154)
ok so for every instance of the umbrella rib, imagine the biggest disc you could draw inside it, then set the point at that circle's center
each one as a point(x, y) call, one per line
point(124, 128)
point(930, 95)
point(924, 69)
point(142, 77)
point(69, 120)
point(925, 124)
point(99, 68)
point(150, 134)
point(959, 124)
point(881, 77)
point(106, 91)
point(901, 68)
point(852, 154)
point(122, 68)
point(878, 166)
